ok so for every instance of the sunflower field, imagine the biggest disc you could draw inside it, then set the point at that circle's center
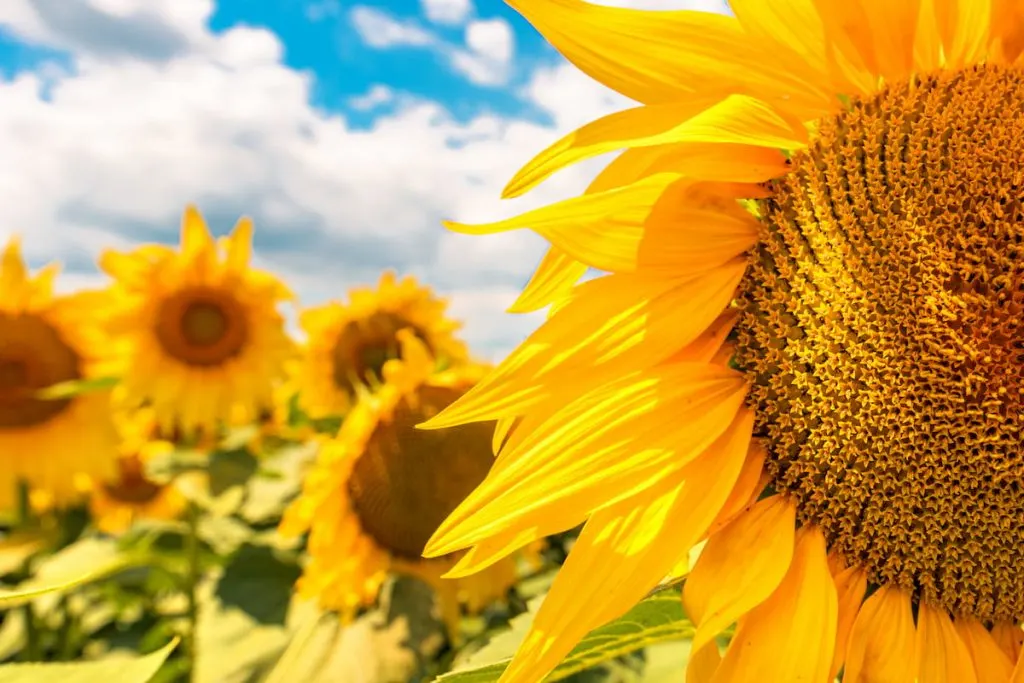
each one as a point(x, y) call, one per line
point(769, 431)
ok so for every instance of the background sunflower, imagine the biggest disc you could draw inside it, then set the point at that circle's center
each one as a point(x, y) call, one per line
point(202, 331)
point(49, 444)
point(347, 344)
point(378, 491)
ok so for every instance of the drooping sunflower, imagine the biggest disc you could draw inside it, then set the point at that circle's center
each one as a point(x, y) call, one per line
point(203, 331)
point(116, 503)
point(348, 343)
point(50, 444)
point(378, 491)
point(813, 358)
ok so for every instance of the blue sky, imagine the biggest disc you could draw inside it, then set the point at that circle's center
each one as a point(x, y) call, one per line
point(347, 129)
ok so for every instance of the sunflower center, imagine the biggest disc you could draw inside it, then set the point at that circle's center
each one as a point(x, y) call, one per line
point(202, 327)
point(132, 485)
point(884, 338)
point(33, 356)
point(409, 480)
point(364, 346)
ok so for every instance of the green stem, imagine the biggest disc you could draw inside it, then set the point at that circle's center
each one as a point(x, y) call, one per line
point(192, 586)
point(32, 652)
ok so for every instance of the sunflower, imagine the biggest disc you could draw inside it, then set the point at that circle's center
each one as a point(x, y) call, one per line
point(203, 333)
point(379, 490)
point(46, 340)
point(807, 348)
point(348, 344)
point(116, 503)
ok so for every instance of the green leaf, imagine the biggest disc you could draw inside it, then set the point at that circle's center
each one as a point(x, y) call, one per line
point(62, 390)
point(113, 670)
point(657, 619)
point(259, 581)
point(77, 565)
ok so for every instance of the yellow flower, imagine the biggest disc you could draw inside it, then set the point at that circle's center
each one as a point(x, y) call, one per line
point(348, 344)
point(377, 491)
point(203, 334)
point(116, 503)
point(46, 340)
point(827, 384)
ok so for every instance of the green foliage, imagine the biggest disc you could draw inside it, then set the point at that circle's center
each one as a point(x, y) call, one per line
point(657, 619)
point(120, 670)
point(73, 388)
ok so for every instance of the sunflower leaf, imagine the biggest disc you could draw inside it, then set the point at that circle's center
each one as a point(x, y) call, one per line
point(113, 670)
point(657, 619)
point(75, 566)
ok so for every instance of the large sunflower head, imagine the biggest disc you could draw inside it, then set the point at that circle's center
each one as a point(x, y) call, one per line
point(46, 340)
point(380, 489)
point(117, 502)
point(347, 344)
point(203, 334)
point(808, 349)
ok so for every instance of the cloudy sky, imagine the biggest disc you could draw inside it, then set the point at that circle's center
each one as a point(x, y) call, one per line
point(347, 128)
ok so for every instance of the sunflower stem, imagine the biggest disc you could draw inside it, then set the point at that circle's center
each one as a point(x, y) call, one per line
point(192, 586)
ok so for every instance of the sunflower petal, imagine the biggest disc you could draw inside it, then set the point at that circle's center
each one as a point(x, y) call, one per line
point(1009, 637)
point(662, 56)
point(893, 26)
point(616, 322)
point(195, 236)
point(968, 25)
point(882, 643)
point(554, 277)
point(748, 486)
point(851, 584)
point(702, 664)
point(626, 549)
point(739, 568)
point(239, 247)
point(991, 665)
point(735, 119)
point(943, 656)
point(791, 29)
point(764, 648)
point(491, 550)
point(653, 424)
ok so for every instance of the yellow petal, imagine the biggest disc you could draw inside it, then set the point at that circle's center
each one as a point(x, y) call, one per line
point(851, 583)
point(501, 432)
point(663, 56)
point(929, 52)
point(13, 273)
point(740, 567)
point(791, 29)
point(703, 348)
point(850, 45)
point(882, 647)
point(1007, 28)
point(1009, 637)
point(965, 24)
point(554, 277)
point(611, 325)
point(943, 656)
point(702, 664)
point(991, 665)
point(625, 550)
point(655, 223)
point(604, 446)
point(736, 119)
point(491, 550)
point(240, 246)
point(195, 236)
point(764, 647)
point(893, 26)
point(748, 486)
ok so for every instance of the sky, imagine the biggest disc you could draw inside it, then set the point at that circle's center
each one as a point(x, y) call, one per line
point(347, 129)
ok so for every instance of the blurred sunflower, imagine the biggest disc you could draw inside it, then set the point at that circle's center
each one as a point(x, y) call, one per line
point(348, 344)
point(116, 503)
point(377, 491)
point(46, 340)
point(204, 335)
point(827, 383)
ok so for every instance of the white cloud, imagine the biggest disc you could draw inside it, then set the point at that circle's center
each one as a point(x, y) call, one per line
point(488, 57)
point(381, 30)
point(447, 11)
point(319, 10)
point(374, 97)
